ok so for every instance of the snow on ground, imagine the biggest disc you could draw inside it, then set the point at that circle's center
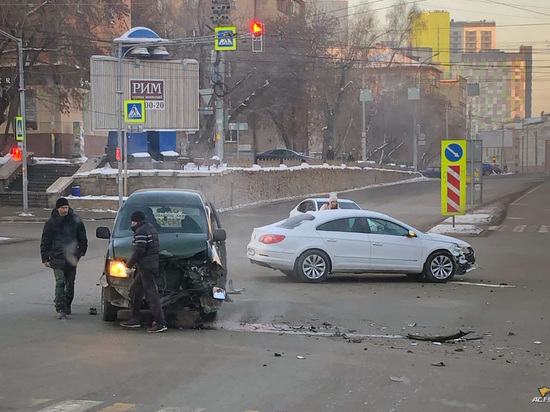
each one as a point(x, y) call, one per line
point(55, 160)
point(466, 224)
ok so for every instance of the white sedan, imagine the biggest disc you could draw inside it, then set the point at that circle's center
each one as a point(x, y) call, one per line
point(312, 245)
point(315, 203)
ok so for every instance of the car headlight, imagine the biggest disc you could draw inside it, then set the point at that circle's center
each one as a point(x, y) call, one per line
point(458, 249)
point(118, 269)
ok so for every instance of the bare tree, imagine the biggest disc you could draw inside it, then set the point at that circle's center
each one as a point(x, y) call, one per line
point(58, 39)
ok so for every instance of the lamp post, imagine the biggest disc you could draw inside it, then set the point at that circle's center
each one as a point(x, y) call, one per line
point(129, 43)
point(22, 112)
point(502, 142)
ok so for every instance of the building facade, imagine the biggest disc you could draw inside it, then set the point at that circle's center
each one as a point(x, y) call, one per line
point(472, 37)
point(432, 30)
point(505, 84)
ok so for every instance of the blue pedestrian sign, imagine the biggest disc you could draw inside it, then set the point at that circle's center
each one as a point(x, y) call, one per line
point(134, 111)
point(454, 152)
point(19, 129)
point(226, 38)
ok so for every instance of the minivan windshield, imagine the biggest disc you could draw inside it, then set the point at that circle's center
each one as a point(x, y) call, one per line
point(166, 217)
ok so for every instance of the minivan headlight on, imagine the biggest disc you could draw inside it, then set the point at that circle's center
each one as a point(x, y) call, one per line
point(118, 269)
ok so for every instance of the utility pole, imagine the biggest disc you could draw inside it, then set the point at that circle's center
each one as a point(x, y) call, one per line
point(220, 109)
point(363, 129)
point(447, 121)
point(23, 115)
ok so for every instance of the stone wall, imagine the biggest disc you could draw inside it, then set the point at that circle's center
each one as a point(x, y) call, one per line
point(233, 187)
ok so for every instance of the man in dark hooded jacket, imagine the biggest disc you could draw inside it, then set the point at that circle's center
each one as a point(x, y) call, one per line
point(63, 243)
point(146, 257)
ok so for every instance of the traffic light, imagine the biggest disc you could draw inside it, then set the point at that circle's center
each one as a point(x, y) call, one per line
point(118, 154)
point(494, 159)
point(16, 154)
point(257, 28)
point(220, 12)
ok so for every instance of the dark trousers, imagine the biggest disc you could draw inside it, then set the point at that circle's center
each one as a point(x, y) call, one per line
point(64, 288)
point(144, 285)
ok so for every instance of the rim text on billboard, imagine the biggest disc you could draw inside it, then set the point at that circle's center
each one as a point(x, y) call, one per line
point(152, 91)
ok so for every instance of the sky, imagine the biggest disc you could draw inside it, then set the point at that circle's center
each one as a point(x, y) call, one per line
point(519, 22)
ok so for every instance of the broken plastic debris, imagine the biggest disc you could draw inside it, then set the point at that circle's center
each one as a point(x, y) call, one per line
point(439, 339)
point(412, 324)
point(278, 355)
point(437, 343)
point(438, 364)
point(485, 285)
point(231, 289)
point(300, 357)
point(397, 379)
point(537, 342)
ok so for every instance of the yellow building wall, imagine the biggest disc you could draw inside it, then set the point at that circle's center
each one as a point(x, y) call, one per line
point(433, 30)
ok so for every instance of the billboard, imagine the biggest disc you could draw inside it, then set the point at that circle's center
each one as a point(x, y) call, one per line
point(169, 89)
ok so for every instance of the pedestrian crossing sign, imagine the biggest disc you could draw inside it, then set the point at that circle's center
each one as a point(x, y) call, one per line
point(134, 111)
point(226, 38)
point(19, 129)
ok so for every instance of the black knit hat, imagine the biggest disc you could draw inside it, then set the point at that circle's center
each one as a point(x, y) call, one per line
point(61, 202)
point(137, 216)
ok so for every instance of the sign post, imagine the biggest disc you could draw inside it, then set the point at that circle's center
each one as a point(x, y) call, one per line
point(453, 177)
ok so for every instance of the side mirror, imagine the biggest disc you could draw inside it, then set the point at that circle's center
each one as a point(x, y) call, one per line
point(103, 232)
point(219, 235)
point(411, 234)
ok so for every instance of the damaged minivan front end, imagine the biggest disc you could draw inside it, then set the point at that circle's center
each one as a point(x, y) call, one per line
point(192, 265)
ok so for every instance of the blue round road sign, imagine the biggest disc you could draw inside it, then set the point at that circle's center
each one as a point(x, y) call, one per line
point(454, 152)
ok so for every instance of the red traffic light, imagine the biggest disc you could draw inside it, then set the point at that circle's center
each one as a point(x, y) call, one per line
point(257, 28)
point(117, 155)
point(16, 154)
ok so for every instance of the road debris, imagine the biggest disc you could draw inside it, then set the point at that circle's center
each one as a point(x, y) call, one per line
point(441, 338)
point(438, 364)
point(278, 355)
point(92, 311)
point(300, 357)
point(502, 285)
point(537, 342)
point(231, 289)
point(411, 325)
point(397, 379)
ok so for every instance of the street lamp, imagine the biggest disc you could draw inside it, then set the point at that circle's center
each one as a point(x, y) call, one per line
point(502, 142)
point(22, 112)
point(137, 40)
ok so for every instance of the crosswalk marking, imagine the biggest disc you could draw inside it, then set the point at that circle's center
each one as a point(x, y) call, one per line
point(119, 407)
point(520, 228)
point(71, 406)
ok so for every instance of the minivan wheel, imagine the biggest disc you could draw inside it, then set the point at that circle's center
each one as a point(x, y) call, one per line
point(313, 266)
point(109, 312)
point(440, 267)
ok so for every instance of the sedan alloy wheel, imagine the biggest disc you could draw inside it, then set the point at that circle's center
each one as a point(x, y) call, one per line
point(440, 267)
point(313, 266)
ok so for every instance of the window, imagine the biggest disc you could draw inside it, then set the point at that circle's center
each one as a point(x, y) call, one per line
point(350, 225)
point(306, 206)
point(385, 227)
point(231, 137)
point(31, 120)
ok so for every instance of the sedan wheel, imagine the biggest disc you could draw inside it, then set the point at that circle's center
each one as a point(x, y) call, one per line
point(313, 266)
point(440, 267)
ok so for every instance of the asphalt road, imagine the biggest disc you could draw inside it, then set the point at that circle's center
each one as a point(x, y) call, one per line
point(84, 364)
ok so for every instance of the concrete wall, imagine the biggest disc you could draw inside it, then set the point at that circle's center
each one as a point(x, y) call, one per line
point(234, 187)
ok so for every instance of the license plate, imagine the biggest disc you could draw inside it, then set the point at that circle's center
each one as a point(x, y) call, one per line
point(218, 293)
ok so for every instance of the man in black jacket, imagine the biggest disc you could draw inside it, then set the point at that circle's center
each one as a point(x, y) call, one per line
point(146, 257)
point(63, 243)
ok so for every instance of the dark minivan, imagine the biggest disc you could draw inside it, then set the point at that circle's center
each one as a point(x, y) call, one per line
point(193, 261)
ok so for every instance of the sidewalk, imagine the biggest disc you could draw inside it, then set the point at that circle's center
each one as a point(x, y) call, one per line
point(15, 214)
point(472, 224)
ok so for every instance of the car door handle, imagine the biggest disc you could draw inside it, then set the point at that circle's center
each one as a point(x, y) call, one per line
point(377, 244)
point(331, 240)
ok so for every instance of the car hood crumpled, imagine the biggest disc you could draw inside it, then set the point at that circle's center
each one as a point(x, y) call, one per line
point(447, 239)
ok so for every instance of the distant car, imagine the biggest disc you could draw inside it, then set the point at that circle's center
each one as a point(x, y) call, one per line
point(281, 154)
point(315, 244)
point(433, 172)
point(315, 204)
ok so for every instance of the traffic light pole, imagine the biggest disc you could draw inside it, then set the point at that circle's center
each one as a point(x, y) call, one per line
point(220, 111)
point(22, 111)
